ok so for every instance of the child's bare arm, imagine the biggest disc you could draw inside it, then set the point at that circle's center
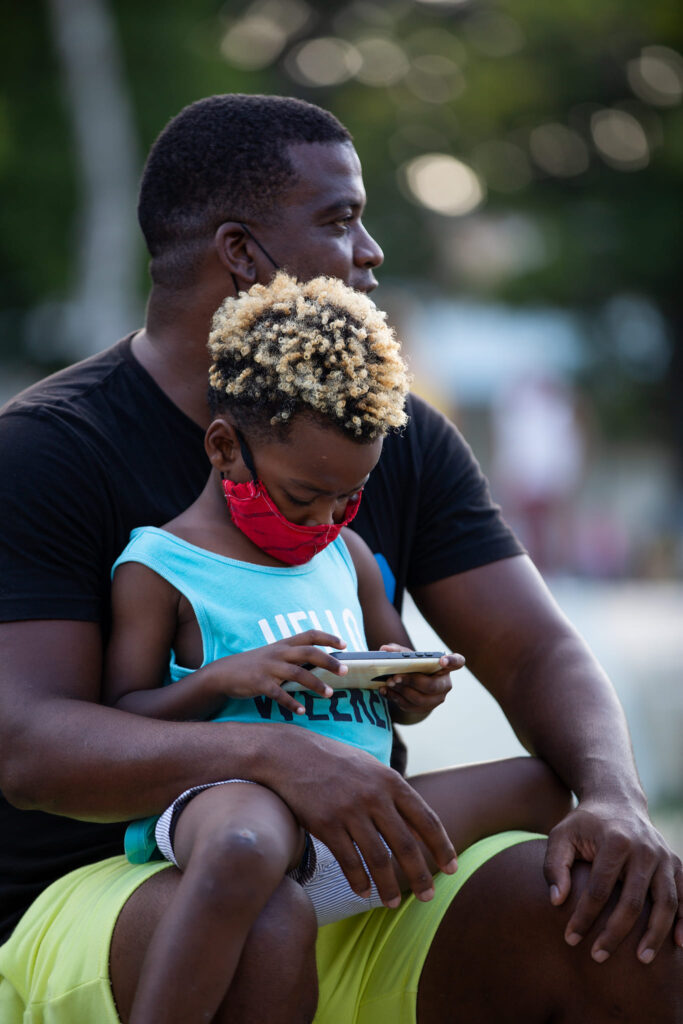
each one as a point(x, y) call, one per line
point(144, 614)
point(144, 621)
point(412, 697)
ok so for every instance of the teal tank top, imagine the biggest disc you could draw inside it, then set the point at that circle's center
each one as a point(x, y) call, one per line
point(240, 606)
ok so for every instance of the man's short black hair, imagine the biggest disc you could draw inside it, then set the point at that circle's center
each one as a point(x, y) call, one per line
point(222, 158)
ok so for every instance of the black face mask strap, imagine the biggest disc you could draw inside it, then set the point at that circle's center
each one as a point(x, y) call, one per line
point(246, 454)
point(263, 250)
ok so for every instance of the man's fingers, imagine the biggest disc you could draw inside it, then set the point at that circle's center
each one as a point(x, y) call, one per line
point(629, 906)
point(604, 874)
point(402, 823)
point(410, 863)
point(560, 855)
point(426, 824)
point(665, 908)
point(379, 864)
point(678, 881)
point(350, 861)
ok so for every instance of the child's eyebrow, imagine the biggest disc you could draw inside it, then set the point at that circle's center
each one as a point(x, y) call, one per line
point(305, 486)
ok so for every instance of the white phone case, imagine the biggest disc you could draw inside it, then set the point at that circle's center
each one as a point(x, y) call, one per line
point(368, 670)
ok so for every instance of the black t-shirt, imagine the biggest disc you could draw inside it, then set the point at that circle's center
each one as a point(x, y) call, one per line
point(98, 449)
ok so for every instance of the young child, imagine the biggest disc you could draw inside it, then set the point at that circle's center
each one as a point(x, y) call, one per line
point(244, 591)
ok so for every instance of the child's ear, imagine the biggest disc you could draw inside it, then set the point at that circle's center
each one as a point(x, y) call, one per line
point(223, 448)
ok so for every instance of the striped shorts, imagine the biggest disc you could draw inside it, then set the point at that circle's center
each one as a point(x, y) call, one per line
point(318, 873)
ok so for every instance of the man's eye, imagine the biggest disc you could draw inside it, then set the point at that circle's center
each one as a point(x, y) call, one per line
point(344, 223)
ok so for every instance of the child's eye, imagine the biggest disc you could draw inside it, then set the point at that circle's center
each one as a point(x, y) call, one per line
point(297, 501)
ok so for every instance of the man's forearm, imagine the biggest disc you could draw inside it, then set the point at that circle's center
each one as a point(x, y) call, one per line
point(87, 761)
point(522, 648)
point(565, 710)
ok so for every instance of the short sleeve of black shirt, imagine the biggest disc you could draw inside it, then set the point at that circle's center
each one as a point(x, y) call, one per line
point(50, 551)
point(84, 457)
point(427, 512)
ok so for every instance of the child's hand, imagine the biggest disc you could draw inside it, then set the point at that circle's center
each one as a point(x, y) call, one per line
point(416, 694)
point(262, 671)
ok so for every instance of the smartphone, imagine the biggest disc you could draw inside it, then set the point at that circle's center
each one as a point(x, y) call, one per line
point(368, 670)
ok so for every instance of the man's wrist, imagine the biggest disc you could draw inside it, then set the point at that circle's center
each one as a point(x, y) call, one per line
point(612, 790)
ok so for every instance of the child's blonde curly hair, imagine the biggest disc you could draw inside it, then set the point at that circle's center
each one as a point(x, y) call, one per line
point(314, 346)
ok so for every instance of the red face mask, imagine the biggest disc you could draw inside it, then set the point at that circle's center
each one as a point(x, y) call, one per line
point(255, 513)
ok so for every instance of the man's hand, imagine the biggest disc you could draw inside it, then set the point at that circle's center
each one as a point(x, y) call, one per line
point(415, 695)
point(622, 846)
point(345, 796)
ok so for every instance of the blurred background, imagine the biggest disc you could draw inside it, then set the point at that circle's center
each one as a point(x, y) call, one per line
point(523, 166)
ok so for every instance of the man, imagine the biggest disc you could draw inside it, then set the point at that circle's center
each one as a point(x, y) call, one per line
point(233, 187)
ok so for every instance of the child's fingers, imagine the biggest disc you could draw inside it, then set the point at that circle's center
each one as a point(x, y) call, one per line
point(307, 679)
point(437, 685)
point(449, 663)
point(313, 637)
point(285, 700)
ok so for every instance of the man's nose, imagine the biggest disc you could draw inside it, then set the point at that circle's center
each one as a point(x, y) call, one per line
point(367, 253)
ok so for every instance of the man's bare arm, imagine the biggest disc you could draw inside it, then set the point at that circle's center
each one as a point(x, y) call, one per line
point(564, 709)
point(101, 764)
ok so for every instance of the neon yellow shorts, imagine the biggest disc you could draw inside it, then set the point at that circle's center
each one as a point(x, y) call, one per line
point(55, 967)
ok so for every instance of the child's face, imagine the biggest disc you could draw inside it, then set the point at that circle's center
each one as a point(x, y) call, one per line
point(313, 473)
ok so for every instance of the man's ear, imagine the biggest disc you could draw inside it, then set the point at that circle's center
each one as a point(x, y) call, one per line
point(223, 448)
point(232, 244)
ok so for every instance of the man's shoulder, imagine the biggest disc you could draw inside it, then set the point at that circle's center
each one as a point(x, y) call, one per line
point(73, 386)
point(427, 429)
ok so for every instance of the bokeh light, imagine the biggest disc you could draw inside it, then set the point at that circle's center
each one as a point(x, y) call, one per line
point(656, 76)
point(620, 139)
point(494, 34)
point(383, 61)
point(259, 37)
point(434, 78)
point(558, 150)
point(444, 184)
point(324, 61)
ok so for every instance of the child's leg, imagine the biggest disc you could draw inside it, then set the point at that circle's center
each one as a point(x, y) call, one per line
point(234, 844)
point(479, 800)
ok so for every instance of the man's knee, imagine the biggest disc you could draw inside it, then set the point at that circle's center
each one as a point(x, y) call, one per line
point(532, 973)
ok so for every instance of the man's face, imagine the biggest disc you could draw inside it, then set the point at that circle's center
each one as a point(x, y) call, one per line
point(319, 228)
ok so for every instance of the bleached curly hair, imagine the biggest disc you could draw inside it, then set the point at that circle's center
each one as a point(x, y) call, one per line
point(314, 347)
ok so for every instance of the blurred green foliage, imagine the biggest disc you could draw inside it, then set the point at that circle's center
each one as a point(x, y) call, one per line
point(499, 72)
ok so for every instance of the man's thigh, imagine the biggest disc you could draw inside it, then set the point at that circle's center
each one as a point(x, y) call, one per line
point(370, 965)
point(500, 954)
point(56, 962)
point(133, 932)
